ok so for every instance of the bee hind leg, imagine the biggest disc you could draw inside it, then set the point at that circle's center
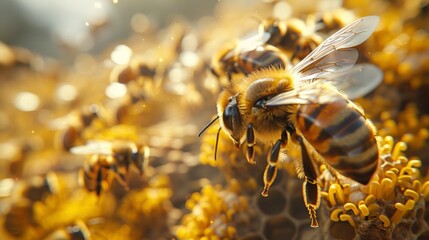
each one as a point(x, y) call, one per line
point(310, 190)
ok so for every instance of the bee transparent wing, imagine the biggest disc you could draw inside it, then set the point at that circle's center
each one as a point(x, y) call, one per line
point(349, 36)
point(253, 40)
point(249, 43)
point(357, 81)
point(93, 147)
point(341, 60)
point(354, 83)
point(319, 92)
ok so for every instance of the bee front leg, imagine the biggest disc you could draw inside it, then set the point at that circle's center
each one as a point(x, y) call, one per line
point(120, 177)
point(250, 139)
point(270, 172)
point(310, 190)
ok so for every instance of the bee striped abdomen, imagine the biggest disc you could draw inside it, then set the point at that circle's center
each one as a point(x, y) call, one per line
point(342, 136)
point(262, 57)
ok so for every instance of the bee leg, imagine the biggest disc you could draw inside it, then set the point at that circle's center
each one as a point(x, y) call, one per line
point(270, 172)
point(310, 190)
point(99, 181)
point(120, 177)
point(295, 53)
point(311, 200)
point(250, 139)
point(229, 73)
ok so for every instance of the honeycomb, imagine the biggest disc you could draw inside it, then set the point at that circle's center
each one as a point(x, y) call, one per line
point(154, 88)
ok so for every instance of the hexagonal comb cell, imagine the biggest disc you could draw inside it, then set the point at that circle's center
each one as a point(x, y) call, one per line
point(279, 228)
point(273, 204)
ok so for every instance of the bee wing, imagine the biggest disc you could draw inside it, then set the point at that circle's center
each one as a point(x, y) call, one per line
point(349, 36)
point(354, 83)
point(341, 60)
point(357, 81)
point(93, 147)
point(315, 92)
point(253, 41)
point(249, 43)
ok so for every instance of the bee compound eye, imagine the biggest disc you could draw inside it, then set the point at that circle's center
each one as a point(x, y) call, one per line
point(231, 115)
point(261, 103)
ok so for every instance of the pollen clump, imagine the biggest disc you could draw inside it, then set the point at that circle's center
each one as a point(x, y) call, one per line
point(393, 197)
point(212, 215)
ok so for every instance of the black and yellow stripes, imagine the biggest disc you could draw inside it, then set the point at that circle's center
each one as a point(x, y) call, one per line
point(264, 56)
point(342, 136)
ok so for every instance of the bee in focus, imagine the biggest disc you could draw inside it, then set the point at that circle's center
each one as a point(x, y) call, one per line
point(249, 54)
point(110, 160)
point(308, 107)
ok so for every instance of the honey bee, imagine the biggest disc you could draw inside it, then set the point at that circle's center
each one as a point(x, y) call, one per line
point(77, 231)
point(74, 125)
point(132, 71)
point(19, 218)
point(272, 45)
point(334, 19)
point(110, 160)
point(249, 54)
point(309, 104)
point(293, 36)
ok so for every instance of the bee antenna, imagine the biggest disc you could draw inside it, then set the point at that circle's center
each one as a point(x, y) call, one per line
point(217, 141)
point(260, 22)
point(257, 18)
point(207, 126)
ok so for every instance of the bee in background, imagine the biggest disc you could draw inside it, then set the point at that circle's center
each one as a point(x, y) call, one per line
point(77, 231)
point(110, 160)
point(333, 20)
point(74, 125)
point(307, 107)
point(19, 218)
point(293, 36)
point(137, 68)
point(249, 54)
point(275, 44)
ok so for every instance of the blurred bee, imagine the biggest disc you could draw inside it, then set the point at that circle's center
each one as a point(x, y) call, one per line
point(74, 125)
point(19, 217)
point(110, 160)
point(77, 231)
point(273, 45)
point(249, 54)
point(293, 36)
point(131, 72)
point(333, 20)
point(304, 104)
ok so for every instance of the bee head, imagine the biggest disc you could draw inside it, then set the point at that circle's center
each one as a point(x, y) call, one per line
point(231, 120)
point(222, 63)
